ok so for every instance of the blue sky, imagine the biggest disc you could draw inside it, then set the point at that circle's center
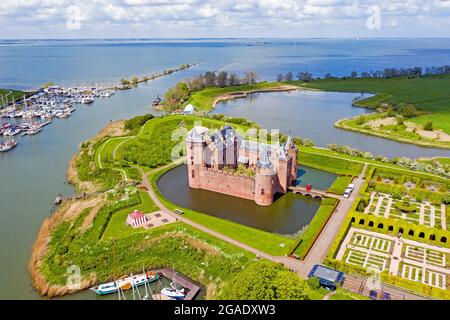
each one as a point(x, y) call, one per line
point(223, 18)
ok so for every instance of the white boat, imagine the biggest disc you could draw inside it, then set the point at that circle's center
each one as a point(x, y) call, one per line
point(87, 100)
point(8, 145)
point(34, 130)
point(126, 283)
point(175, 291)
point(12, 132)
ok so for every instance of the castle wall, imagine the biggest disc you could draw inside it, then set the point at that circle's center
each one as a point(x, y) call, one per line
point(227, 183)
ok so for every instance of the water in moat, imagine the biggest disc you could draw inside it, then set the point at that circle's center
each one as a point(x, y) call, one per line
point(287, 215)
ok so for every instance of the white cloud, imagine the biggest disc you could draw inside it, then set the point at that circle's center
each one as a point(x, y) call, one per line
point(225, 17)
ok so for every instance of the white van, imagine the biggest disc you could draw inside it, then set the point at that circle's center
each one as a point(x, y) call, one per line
point(349, 190)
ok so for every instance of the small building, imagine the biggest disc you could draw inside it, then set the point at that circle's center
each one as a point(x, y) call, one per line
point(136, 219)
point(189, 110)
point(328, 278)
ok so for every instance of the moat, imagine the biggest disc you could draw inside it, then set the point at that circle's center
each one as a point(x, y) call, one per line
point(287, 215)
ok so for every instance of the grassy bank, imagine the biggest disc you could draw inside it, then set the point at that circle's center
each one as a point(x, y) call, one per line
point(429, 94)
point(205, 100)
point(315, 227)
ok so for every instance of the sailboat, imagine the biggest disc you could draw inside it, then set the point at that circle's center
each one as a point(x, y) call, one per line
point(175, 291)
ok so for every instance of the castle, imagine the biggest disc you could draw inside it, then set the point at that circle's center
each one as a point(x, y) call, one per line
point(213, 161)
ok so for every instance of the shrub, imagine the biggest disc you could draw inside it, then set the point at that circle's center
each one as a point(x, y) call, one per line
point(428, 126)
point(313, 283)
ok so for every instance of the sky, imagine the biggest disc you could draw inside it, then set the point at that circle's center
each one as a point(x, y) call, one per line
point(65, 19)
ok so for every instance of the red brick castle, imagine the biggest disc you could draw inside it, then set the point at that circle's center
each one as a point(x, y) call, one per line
point(214, 158)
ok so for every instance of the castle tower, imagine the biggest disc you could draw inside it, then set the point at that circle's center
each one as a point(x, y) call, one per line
point(195, 145)
point(264, 176)
point(292, 151)
point(284, 170)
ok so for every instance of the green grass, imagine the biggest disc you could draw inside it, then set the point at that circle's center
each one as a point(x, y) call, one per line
point(316, 225)
point(118, 229)
point(429, 94)
point(313, 158)
point(13, 94)
point(203, 100)
point(394, 132)
point(340, 184)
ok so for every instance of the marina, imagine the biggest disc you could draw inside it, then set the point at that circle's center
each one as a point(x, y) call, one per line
point(30, 115)
point(179, 287)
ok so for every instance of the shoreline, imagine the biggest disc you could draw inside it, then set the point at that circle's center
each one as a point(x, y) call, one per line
point(40, 246)
point(246, 93)
point(340, 124)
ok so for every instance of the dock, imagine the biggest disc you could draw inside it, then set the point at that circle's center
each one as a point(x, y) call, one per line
point(182, 281)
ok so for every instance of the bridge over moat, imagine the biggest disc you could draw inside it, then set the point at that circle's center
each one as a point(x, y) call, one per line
point(314, 193)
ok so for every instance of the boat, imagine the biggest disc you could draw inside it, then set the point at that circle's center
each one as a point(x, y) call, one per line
point(12, 131)
point(87, 100)
point(8, 145)
point(34, 130)
point(174, 291)
point(157, 101)
point(126, 283)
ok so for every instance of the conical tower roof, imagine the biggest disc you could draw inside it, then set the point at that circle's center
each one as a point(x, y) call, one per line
point(264, 161)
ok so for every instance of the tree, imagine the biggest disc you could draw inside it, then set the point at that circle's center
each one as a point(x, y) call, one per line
point(354, 74)
point(428, 126)
point(210, 79)
point(264, 280)
point(233, 80)
point(124, 82)
point(176, 96)
point(304, 76)
point(289, 286)
point(313, 283)
point(280, 77)
point(222, 78)
point(135, 80)
point(250, 77)
point(408, 111)
point(289, 76)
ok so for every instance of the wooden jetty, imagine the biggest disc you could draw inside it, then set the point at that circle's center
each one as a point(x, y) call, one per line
point(182, 281)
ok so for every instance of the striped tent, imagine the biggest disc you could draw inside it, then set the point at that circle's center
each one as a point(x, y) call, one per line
point(136, 219)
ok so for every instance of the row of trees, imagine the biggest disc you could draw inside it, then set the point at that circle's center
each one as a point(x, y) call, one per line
point(220, 79)
point(289, 76)
point(386, 73)
point(176, 96)
point(435, 167)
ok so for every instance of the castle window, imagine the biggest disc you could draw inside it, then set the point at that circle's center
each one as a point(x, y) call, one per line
point(192, 174)
point(262, 191)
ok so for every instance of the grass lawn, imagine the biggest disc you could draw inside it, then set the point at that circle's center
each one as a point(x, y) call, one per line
point(203, 100)
point(429, 94)
point(316, 225)
point(340, 184)
point(118, 229)
point(309, 157)
point(12, 94)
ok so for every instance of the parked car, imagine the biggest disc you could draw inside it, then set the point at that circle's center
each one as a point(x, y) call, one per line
point(373, 295)
point(349, 190)
point(386, 296)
